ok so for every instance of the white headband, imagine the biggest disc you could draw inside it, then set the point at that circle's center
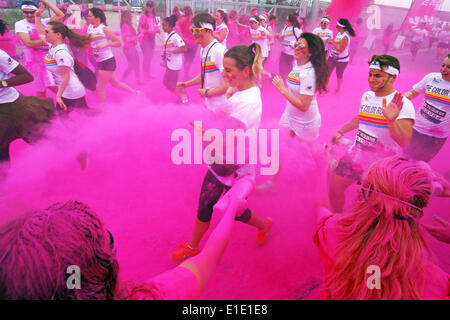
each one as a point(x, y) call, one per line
point(390, 69)
point(325, 19)
point(206, 25)
point(29, 7)
point(263, 18)
point(341, 25)
point(253, 19)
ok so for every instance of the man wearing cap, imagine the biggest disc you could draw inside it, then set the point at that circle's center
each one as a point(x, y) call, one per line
point(385, 125)
point(35, 48)
point(212, 85)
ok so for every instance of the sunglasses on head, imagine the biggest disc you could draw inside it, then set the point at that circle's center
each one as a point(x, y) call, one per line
point(28, 12)
point(196, 30)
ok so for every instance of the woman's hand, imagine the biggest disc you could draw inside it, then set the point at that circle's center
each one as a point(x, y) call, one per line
point(61, 103)
point(279, 84)
point(40, 10)
point(202, 92)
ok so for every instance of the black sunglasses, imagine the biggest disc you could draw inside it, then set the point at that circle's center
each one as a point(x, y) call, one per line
point(29, 12)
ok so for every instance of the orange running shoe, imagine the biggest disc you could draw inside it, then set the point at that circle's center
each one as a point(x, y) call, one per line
point(262, 235)
point(184, 252)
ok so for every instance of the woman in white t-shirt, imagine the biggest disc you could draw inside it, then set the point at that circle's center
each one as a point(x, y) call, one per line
point(242, 64)
point(59, 62)
point(20, 116)
point(222, 31)
point(289, 36)
point(309, 75)
point(432, 125)
point(340, 54)
point(172, 58)
point(103, 38)
point(259, 35)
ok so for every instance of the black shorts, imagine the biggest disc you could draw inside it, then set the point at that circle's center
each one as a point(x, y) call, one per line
point(443, 45)
point(107, 65)
point(423, 147)
point(340, 66)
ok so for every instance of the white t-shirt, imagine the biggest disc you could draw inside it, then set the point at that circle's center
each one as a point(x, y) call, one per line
point(60, 56)
point(344, 55)
point(290, 37)
point(260, 37)
point(212, 68)
point(433, 117)
point(306, 124)
point(246, 106)
point(373, 133)
point(325, 35)
point(31, 54)
point(7, 64)
point(174, 60)
point(98, 36)
point(218, 29)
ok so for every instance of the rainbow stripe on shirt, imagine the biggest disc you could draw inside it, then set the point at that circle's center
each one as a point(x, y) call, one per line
point(49, 62)
point(170, 44)
point(97, 37)
point(209, 67)
point(293, 80)
point(437, 97)
point(373, 120)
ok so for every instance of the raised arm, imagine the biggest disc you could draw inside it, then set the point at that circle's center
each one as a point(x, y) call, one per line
point(204, 264)
point(59, 15)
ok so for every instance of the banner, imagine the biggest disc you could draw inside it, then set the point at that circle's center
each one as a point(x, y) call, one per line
point(349, 9)
point(421, 11)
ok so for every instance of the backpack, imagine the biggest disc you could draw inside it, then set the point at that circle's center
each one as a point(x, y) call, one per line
point(86, 76)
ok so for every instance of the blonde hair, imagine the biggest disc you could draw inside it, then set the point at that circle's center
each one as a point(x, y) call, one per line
point(248, 56)
point(382, 229)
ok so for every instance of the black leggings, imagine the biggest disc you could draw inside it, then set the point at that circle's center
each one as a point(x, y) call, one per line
point(211, 191)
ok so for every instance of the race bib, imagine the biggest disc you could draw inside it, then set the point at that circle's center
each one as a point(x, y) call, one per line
point(432, 113)
point(366, 141)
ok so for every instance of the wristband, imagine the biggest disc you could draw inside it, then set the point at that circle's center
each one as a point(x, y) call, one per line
point(340, 132)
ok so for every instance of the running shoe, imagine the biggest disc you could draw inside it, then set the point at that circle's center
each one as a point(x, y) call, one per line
point(262, 235)
point(184, 252)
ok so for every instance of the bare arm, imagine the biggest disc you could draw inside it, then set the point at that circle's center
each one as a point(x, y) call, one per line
point(25, 38)
point(301, 102)
point(411, 94)
point(59, 15)
point(114, 41)
point(350, 126)
point(22, 76)
point(341, 46)
point(194, 81)
point(221, 35)
point(218, 90)
point(182, 49)
point(401, 131)
point(65, 77)
point(37, 19)
point(204, 264)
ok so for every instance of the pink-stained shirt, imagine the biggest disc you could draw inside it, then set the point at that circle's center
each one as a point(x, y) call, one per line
point(176, 284)
point(8, 43)
point(437, 283)
point(127, 35)
point(184, 25)
point(148, 26)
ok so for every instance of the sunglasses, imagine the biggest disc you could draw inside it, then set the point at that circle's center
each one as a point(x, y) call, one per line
point(324, 23)
point(300, 45)
point(195, 30)
point(29, 12)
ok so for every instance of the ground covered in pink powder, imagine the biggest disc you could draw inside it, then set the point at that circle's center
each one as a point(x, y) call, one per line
point(150, 204)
